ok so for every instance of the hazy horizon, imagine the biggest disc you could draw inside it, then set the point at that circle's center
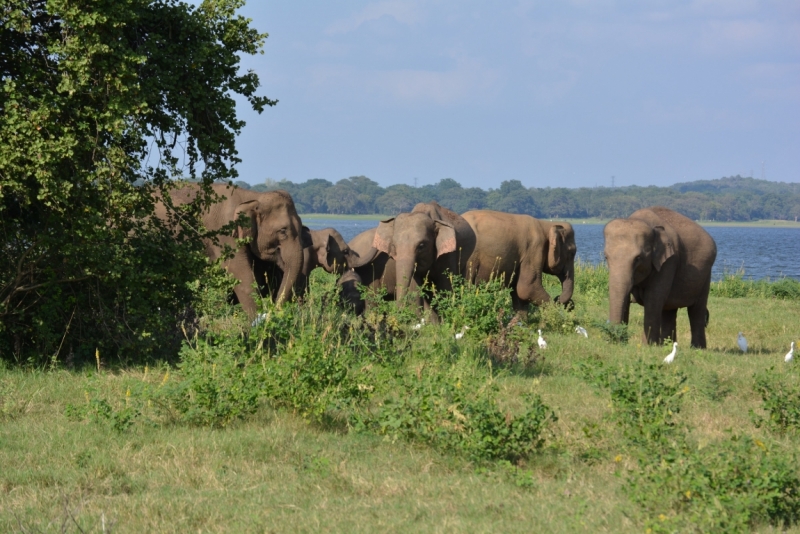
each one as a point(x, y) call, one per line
point(554, 95)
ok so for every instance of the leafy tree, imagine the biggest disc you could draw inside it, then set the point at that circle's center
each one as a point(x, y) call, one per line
point(101, 104)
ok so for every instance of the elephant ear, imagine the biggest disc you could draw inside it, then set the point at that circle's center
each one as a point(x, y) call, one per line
point(305, 237)
point(558, 247)
point(445, 237)
point(248, 210)
point(663, 248)
point(384, 237)
point(333, 252)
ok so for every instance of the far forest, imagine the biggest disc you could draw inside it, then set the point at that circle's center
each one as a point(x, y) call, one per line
point(734, 198)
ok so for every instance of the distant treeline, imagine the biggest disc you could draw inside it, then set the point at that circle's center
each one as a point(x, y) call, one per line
point(727, 199)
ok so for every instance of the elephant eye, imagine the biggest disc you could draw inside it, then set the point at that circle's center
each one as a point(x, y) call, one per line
point(421, 245)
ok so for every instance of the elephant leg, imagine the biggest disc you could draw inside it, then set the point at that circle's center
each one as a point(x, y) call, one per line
point(529, 287)
point(652, 321)
point(698, 317)
point(520, 307)
point(668, 328)
point(244, 289)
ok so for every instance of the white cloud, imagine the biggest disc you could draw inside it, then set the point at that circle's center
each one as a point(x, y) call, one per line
point(402, 11)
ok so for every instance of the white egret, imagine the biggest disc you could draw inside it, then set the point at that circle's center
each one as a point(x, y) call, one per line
point(259, 320)
point(742, 343)
point(420, 324)
point(789, 355)
point(671, 355)
point(461, 334)
point(541, 341)
point(582, 331)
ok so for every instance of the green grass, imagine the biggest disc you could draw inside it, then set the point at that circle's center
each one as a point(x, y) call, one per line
point(297, 462)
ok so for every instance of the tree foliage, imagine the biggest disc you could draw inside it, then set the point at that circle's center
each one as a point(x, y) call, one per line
point(726, 199)
point(102, 103)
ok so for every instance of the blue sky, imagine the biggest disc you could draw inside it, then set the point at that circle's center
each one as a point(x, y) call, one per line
point(551, 93)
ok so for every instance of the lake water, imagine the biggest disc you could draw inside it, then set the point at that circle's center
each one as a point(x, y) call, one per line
point(761, 252)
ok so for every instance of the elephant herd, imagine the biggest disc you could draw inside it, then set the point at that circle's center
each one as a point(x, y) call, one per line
point(656, 257)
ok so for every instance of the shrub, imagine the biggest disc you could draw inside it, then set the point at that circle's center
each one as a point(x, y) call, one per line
point(780, 395)
point(614, 333)
point(646, 398)
point(446, 414)
point(728, 486)
point(476, 306)
point(218, 382)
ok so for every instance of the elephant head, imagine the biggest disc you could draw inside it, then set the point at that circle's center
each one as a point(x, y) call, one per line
point(633, 250)
point(328, 249)
point(560, 260)
point(271, 223)
point(413, 241)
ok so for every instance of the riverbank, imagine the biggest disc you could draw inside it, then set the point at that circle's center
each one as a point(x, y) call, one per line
point(766, 223)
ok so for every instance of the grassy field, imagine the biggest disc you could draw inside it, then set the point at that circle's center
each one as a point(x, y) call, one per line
point(107, 449)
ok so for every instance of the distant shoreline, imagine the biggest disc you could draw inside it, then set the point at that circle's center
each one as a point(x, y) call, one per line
point(767, 223)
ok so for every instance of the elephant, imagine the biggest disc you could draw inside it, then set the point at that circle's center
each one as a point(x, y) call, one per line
point(327, 249)
point(324, 248)
point(274, 230)
point(376, 271)
point(663, 261)
point(430, 242)
point(349, 292)
point(520, 248)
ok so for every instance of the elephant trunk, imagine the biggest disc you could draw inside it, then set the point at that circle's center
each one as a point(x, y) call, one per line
point(567, 284)
point(619, 296)
point(292, 256)
point(404, 277)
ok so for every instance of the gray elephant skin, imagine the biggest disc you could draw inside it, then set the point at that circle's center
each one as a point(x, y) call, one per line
point(430, 242)
point(324, 248)
point(274, 230)
point(521, 248)
point(663, 261)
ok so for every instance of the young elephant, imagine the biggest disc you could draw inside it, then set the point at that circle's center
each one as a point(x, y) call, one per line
point(324, 248)
point(377, 270)
point(521, 248)
point(663, 260)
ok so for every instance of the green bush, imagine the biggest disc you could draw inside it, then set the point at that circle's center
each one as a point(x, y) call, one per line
point(734, 285)
point(728, 486)
point(780, 394)
point(591, 281)
point(477, 306)
point(446, 414)
point(646, 398)
point(218, 381)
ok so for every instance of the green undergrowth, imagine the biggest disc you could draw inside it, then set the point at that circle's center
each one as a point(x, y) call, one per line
point(587, 434)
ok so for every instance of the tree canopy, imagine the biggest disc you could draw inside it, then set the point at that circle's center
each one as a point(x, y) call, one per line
point(101, 103)
point(727, 199)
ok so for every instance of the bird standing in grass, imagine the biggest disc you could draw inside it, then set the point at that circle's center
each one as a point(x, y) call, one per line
point(742, 343)
point(419, 324)
point(582, 331)
point(463, 331)
point(541, 341)
point(789, 355)
point(671, 355)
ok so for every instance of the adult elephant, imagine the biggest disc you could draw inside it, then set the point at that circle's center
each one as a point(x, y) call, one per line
point(430, 242)
point(272, 224)
point(521, 248)
point(663, 260)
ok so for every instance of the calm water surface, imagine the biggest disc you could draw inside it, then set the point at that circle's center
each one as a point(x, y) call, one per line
point(761, 252)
